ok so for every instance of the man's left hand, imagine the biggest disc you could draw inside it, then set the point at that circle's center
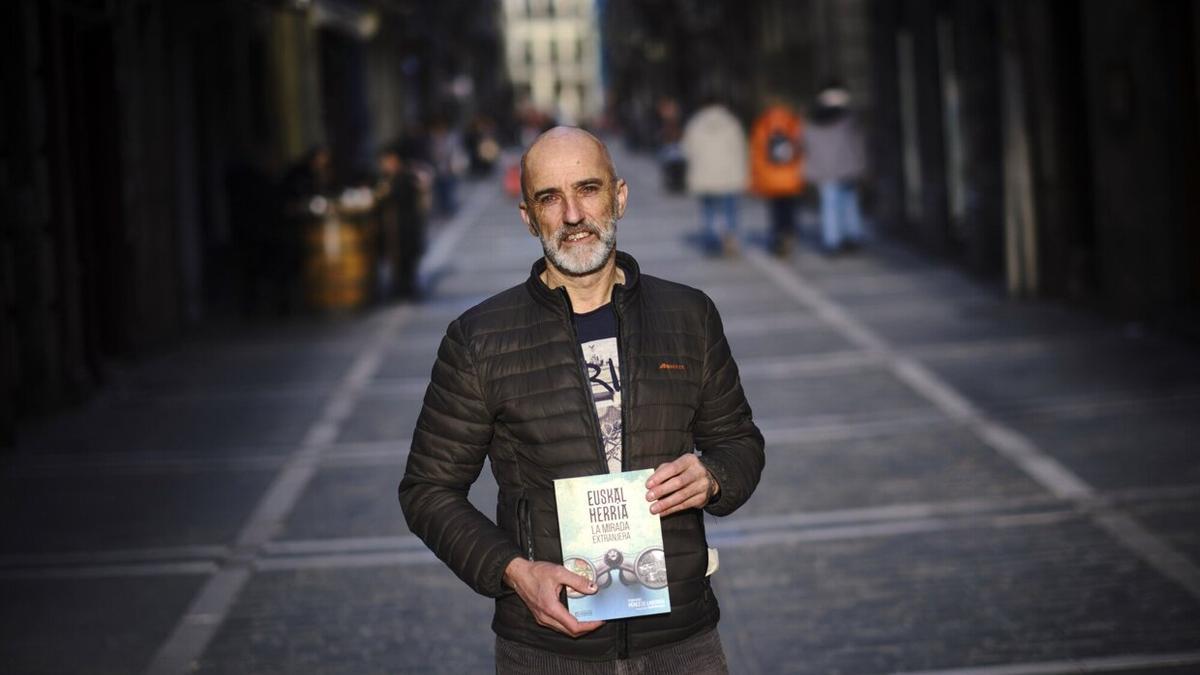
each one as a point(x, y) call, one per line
point(680, 484)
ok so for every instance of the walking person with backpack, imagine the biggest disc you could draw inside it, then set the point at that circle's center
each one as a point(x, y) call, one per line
point(776, 169)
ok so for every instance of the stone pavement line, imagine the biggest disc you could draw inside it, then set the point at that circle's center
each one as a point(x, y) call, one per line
point(170, 569)
point(1072, 666)
point(755, 531)
point(127, 555)
point(1014, 446)
point(407, 550)
point(211, 605)
point(817, 428)
point(383, 453)
point(214, 600)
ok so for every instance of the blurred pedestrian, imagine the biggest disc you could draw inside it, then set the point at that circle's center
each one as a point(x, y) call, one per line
point(449, 159)
point(714, 145)
point(776, 169)
point(511, 383)
point(670, 155)
point(483, 149)
point(312, 176)
point(401, 224)
point(836, 161)
point(306, 198)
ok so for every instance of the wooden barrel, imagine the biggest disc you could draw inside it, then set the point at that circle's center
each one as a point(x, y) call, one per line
point(337, 264)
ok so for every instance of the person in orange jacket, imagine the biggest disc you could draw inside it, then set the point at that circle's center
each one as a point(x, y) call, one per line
point(777, 169)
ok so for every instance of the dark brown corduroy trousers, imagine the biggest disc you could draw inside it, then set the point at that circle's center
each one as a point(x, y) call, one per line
point(698, 655)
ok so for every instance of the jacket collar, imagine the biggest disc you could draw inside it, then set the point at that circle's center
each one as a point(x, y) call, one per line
point(556, 298)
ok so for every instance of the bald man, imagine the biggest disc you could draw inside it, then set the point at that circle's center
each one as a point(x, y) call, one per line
point(587, 367)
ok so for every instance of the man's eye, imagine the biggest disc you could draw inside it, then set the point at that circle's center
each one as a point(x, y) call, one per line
point(589, 189)
point(547, 200)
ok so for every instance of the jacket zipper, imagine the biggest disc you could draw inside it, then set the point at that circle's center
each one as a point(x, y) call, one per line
point(587, 386)
point(623, 628)
point(621, 368)
point(525, 523)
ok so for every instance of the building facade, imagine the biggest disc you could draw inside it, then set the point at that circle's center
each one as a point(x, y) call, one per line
point(1054, 145)
point(553, 56)
point(128, 124)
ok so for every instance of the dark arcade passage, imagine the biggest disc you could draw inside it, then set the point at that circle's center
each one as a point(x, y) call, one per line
point(238, 230)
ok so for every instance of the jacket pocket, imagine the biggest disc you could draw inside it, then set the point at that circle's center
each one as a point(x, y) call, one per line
point(525, 527)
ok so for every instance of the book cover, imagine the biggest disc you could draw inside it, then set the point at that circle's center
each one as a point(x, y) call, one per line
point(609, 535)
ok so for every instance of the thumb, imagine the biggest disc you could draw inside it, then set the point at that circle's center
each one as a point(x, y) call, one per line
point(577, 582)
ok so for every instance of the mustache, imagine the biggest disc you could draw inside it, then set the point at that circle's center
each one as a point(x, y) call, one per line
point(585, 226)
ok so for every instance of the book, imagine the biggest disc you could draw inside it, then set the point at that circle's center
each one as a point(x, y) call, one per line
point(610, 537)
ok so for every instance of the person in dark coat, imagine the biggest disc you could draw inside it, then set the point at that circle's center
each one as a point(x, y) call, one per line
point(525, 380)
point(401, 223)
point(837, 161)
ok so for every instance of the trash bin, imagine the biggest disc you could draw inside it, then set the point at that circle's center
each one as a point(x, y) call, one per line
point(337, 263)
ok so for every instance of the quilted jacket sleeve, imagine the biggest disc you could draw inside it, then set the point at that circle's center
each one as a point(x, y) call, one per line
point(731, 446)
point(448, 448)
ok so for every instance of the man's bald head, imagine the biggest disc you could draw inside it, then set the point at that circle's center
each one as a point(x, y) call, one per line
point(566, 140)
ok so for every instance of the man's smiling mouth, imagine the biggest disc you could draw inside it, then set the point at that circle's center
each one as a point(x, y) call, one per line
point(577, 236)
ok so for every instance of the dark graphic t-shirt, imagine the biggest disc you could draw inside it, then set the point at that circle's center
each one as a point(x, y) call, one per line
point(597, 331)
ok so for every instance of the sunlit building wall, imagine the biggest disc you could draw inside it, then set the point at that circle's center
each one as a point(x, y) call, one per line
point(554, 56)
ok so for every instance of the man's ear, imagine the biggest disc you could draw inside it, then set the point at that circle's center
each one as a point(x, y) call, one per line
point(622, 197)
point(528, 221)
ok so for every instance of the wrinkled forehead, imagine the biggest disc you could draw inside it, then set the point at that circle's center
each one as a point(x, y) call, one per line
point(569, 153)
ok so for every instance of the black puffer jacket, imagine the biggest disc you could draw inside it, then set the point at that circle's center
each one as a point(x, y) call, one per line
point(509, 384)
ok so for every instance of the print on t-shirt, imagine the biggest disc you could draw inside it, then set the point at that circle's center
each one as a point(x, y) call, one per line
point(604, 376)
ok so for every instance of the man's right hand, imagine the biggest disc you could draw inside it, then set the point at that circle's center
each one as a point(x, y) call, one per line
point(539, 585)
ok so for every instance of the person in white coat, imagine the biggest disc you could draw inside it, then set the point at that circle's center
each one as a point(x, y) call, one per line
point(714, 145)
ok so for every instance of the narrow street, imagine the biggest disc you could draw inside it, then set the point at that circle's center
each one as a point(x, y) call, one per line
point(955, 482)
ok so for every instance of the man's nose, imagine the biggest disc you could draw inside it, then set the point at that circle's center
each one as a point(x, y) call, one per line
point(572, 214)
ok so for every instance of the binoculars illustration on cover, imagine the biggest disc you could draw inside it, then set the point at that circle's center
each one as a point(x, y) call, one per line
point(648, 568)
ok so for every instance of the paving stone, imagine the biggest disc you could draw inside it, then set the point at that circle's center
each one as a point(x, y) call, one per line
point(937, 318)
point(88, 626)
point(876, 259)
point(947, 600)
point(752, 299)
point(788, 343)
point(1174, 520)
point(1189, 669)
point(411, 619)
point(362, 502)
point(864, 292)
point(351, 502)
point(1115, 368)
point(383, 417)
point(180, 424)
point(1154, 446)
point(720, 272)
point(937, 465)
point(414, 361)
point(852, 395)
point(276, 365)
point(486, 283)
point(80, 512)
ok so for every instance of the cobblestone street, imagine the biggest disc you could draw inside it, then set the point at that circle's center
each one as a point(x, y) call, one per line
point(955, 482)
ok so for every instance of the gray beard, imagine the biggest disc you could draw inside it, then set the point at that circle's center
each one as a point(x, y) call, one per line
point(591, 260)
